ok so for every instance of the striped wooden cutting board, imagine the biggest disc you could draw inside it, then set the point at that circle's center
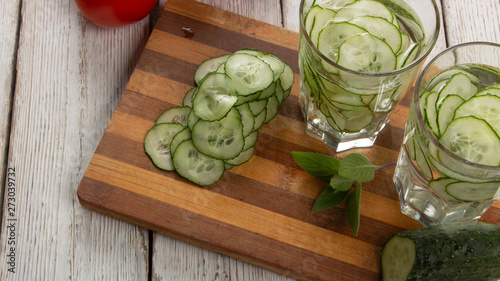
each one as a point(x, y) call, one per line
point(260, 211)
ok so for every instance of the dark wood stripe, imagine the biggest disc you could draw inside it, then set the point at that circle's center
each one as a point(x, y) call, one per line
point(221, 38)
point(226, 238)
point(142, 106)
point(166, 66)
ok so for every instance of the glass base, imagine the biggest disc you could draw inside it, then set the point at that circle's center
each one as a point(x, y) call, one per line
point(423, 204)
point(337, 145)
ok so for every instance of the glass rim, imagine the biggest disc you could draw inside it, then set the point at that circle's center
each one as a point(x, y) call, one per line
point(420, 118)
point(414, 63)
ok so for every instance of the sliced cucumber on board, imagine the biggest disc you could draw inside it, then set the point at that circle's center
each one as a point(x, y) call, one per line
point(157, 144)
point(195, 166)
point(453, 251)
point(216, 127)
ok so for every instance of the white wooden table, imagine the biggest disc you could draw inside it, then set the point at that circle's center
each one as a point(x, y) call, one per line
point(60, 80)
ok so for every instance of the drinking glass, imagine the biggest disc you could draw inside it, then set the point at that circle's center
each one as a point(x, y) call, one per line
point(345, 106)
point(436, 185)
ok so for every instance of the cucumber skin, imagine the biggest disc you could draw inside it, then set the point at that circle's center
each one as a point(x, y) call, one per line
point(455, 251)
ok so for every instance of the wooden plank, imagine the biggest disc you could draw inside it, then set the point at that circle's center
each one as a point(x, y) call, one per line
point(268, 11)
point(9, 17)
point(468, 21)
point(70, 76)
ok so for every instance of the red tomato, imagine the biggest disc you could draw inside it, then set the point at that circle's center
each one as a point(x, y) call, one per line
point(115, 13)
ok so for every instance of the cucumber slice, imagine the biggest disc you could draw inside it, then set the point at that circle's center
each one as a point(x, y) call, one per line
point(449, 72)
point(422, 160)
point(332, 36)
point(242, 158)
point(340, 106)
point(486, 107)
point(184, 134)
point(249, 98)
point(249, 73)
point(221, 139)
point(195, 166)
point(250, 140)
point(280, 94)
point(422, 101)
point(365, 53)
point(439, 186)
point(192, 119)
point(257, 106)
point(333, 4)
point(381, 28)
point(364, 7)
point(335, 93)
point(271, 108)
point(157, 144)
point(259, 120)
point(335, 118)
point(439, 86)
point(221, 68)
point(287, 78)
point(178, 114)
point(310, 18)
point(268, 92)
point(408, 56)
point(321, 19)
point(447, 111)
point(357, 119)
point(405, 43)
point(215, 97)
point(207, 66)
point(407, 15)
point(489, 91)
point(188, 97)
point(247, 118)
point(459, 84)
point(473, 192)
point(472, 139)
point(431, 113)
point(274, 62)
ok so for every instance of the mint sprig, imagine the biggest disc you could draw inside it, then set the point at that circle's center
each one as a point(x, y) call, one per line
point(344, 179)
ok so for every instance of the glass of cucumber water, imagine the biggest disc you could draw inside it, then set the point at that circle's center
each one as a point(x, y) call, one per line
point(358, 59)
point(449, 164)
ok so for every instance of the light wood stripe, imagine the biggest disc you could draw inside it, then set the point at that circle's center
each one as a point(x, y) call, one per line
point(234, 212)
point(158, 87)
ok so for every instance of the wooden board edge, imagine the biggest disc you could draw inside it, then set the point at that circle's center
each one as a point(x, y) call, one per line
point(90, 204)
point(237, 23)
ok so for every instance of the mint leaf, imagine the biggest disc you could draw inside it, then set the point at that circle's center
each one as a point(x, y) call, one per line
point(357, 167)
point(329, 198)
point(352, 209)
point(317, 165)
point(341, 183)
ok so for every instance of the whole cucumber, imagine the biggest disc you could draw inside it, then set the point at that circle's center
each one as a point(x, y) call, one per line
point(454, 251)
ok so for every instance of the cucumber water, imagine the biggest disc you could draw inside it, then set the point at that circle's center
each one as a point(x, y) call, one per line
point(358, 59)
point(460, 108)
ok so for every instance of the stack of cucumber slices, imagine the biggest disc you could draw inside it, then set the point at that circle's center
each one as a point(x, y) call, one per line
point(217, 125)
point(461, 107)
